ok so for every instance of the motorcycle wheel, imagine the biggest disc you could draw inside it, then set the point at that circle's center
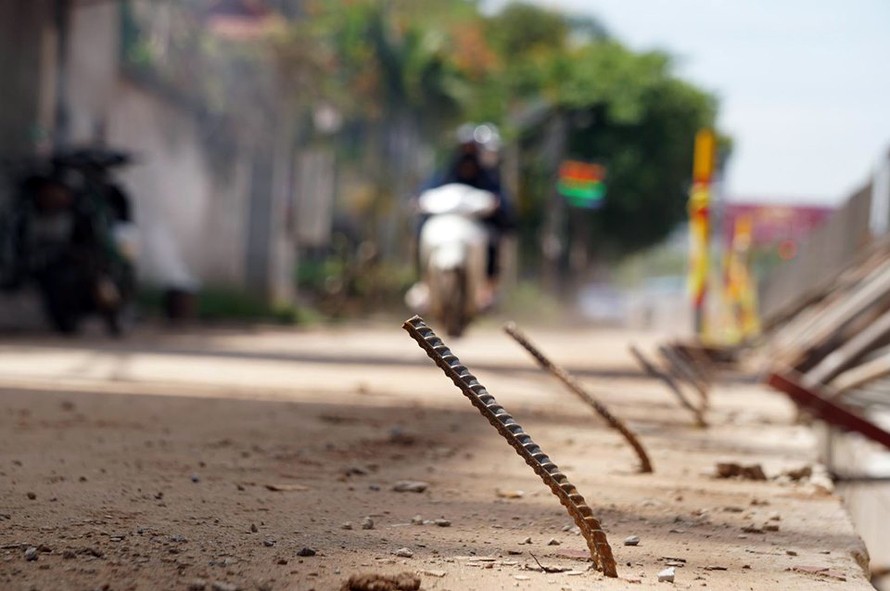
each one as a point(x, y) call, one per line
point(61, 300)
point(120, 317)
point(453, 298)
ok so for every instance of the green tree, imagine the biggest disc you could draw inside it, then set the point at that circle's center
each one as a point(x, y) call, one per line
point(405, 72)
point(625, 109)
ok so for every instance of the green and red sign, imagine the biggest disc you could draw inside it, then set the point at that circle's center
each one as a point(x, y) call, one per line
point(582, 184)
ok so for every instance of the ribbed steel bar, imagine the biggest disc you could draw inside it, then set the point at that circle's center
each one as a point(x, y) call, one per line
point(669, 382)
point(519, 440)
point(683, 371)
point(575, 387)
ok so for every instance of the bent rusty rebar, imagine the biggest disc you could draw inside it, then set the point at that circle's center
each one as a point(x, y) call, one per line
point(575, 387)
point(653, 371)
point(682, 370)
point(519, 440)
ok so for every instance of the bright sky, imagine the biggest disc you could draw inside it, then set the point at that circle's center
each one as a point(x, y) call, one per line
point(804, 85)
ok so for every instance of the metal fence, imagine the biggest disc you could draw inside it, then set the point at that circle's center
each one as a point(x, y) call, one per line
point(825, 253)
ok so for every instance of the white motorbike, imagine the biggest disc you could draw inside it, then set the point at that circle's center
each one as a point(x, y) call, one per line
point(453, 246)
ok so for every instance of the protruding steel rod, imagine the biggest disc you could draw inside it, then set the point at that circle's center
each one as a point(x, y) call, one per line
point(672, 386)
point(575, 387)
point(683, 371)
point(519, 440)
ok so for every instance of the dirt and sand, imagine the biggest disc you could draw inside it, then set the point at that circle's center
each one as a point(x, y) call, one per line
point(267, 459)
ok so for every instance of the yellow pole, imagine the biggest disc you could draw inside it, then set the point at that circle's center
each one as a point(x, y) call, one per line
point(704, 158)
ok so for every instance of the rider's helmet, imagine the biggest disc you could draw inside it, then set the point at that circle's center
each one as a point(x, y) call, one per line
point(483, 139)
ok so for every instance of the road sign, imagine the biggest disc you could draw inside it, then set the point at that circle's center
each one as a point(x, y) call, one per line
point(582, 184)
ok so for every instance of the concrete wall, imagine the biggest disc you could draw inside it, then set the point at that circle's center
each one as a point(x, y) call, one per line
point(93, 64)
point(209, 208)
point(190, 215)
point(27, 46)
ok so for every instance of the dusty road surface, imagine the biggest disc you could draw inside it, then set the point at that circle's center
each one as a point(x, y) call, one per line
point(267, 459)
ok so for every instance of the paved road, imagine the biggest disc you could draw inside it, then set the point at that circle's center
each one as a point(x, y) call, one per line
point(146, 464)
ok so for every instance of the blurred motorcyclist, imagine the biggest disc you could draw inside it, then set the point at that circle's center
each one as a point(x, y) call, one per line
point(475, 163)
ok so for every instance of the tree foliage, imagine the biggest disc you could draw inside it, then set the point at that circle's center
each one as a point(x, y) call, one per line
point(404, 73)
point(624, 109)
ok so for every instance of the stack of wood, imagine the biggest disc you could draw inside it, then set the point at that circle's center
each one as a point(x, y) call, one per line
point(830, 348)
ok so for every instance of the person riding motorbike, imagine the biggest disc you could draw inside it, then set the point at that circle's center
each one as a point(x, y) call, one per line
point(475, 163)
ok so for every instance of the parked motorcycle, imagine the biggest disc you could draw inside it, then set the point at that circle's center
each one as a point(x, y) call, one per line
point(68, 229)
point(453, 255)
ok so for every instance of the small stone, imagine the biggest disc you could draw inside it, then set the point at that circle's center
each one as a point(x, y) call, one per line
point(667, 575)
point(442, 522)
point(404, 553)
point(790, 552)
point(32, 495)
point(31, 554)
point(417, 520)
point(179, 538)
point(632, 541)
point(415, 486)
point(771, 527)
point(268, 543)
point(197, 585)
point(553, 542)
point(253, 528)
point(282, 561)
point(733, 470)
point(220, 586)
point(514, 552)
point(775, 516)
point(69, 554)
point(306, 552)
point(195, 478)
point(367, 523)
point(527, 540)
point(346, 525)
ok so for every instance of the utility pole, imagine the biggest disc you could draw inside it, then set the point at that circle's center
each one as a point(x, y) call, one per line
point(63, 30)
point(553, 238)
point(700, 225)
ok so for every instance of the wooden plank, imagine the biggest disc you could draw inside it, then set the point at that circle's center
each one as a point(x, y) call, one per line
point(847, 354)
point(653, 371)
point(832, 319)
point(872, 257)
point(861, 375)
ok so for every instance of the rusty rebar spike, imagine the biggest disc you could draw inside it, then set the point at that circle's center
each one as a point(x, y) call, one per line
point(698, 361)
point(682, 371)
point(519, 440)
point(572, 384)
point(653, 371)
